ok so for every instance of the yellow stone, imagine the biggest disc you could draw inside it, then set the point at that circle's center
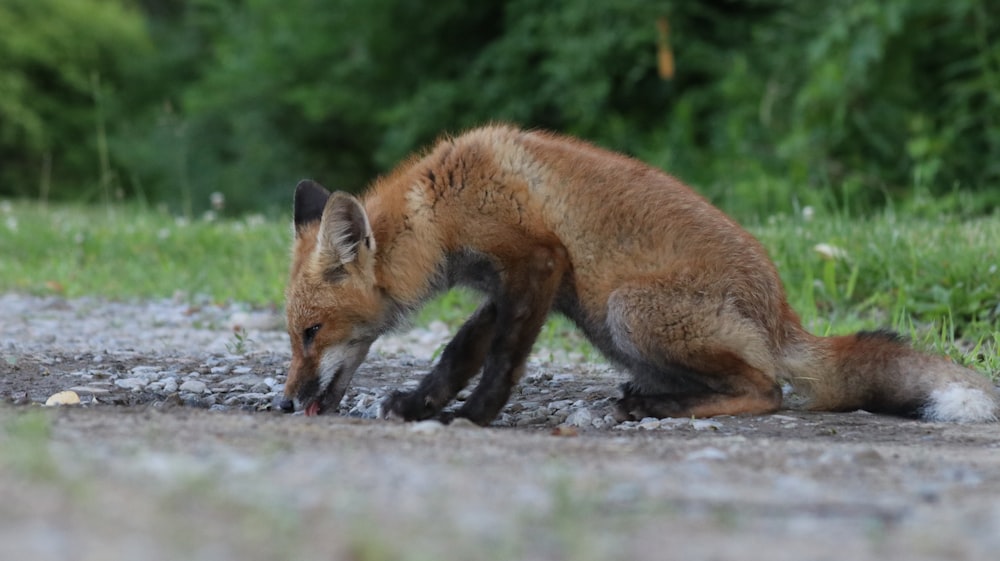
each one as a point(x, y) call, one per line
point(63, 398)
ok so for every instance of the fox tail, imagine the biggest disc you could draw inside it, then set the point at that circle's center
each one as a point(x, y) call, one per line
point(879, 372)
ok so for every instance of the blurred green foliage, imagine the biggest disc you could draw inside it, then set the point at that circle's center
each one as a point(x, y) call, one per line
point(58, 59)
point(774, 104)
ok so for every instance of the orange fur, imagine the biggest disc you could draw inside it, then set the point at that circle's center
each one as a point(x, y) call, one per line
point(662, 282)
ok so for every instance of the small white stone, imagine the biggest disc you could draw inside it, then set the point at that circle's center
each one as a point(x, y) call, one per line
point(674, 422)
point(709, 453)
point(649, 423)
point(560, 404)
point(463, 423)
point(194, 386)
point(426, 427)
point(134, 384)
point(705, 424)
point(91, 390)
point(580, 418)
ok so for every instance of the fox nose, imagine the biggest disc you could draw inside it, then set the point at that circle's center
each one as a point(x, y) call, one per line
point(287, 405)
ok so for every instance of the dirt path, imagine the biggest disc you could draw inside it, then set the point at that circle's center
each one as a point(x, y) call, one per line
point(149, 473)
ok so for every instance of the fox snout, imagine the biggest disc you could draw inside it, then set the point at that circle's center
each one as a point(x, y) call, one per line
point(309, 393)
point(306, 396)
point(317, 386)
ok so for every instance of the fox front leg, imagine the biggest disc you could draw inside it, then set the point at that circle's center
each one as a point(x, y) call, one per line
point(460, 361)
point(527, 293)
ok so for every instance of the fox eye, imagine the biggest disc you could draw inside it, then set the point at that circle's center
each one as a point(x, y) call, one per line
point(309, 334)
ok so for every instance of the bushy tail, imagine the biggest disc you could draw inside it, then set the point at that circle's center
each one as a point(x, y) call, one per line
point(879, 372)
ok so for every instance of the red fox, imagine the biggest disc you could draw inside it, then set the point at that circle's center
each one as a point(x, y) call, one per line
point(664, 284)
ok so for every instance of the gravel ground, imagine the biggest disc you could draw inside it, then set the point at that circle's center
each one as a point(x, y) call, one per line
point(174, 452)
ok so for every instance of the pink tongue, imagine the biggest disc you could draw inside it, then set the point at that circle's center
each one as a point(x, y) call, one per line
point(313, 409)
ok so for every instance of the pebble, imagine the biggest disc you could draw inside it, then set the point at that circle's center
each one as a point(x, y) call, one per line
point(194, 386)
point(532, 418)
point(90, 390)
point(366, 406)
point(709, 453)
point(260, 387)
point(243, 379)
point(245, 399)
point(67, 397)
point(705, 424)
point(134, 384)
point(649, 423)
point(144, 371)
point(463, 423)
point(869, 457)
point(580, 418)
point(426, 427)
point(561, 404)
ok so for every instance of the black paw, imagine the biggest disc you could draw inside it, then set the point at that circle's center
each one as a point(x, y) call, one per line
point(408, 406)
point(478, 412)
point(446, 417)
point(629, 408)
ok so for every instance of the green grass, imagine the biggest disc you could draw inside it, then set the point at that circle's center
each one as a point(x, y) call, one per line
point(130, 252)
point(935, 278)
point(889, 268)
point(24, 442)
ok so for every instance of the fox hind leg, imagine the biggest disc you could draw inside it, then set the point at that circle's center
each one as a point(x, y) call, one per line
point(690, 354)
point(734, 392)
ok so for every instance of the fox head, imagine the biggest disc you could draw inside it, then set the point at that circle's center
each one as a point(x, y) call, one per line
point(332, 302)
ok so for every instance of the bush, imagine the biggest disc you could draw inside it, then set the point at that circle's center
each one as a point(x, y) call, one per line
point(775, 103)
point(59, 62)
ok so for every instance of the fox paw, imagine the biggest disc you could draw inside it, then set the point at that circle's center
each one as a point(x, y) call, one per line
point(629, 408)
point(632, 405)
point(446, 417)
point(408, 406)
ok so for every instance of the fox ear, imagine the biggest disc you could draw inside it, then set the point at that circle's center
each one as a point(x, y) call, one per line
point(344, 231)
point(310, 199)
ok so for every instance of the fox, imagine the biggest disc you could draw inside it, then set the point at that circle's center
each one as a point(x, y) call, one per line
point(666, 286)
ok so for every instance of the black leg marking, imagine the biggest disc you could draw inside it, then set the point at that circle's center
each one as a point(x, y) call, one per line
point(460, 361)
point(528, 293)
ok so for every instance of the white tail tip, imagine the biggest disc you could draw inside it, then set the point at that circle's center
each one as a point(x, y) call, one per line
point(956, 403)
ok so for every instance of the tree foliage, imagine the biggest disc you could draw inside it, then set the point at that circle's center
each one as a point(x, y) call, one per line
point(58, 58)
point(773, 101)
